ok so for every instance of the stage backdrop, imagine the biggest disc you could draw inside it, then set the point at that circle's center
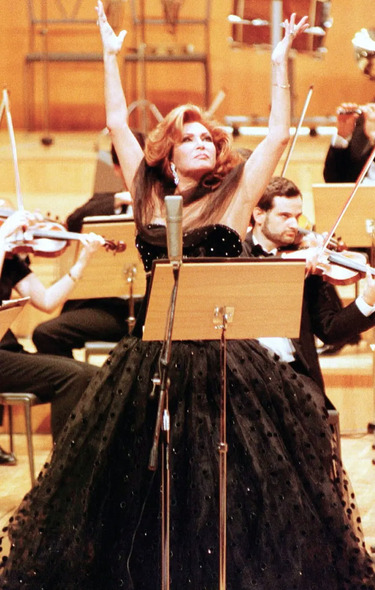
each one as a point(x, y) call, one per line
point(75, 89)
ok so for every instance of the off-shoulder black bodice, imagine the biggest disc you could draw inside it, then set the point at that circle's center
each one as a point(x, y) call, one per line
point(216, 240)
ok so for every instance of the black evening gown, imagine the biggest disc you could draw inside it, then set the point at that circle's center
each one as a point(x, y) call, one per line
point(92, 522)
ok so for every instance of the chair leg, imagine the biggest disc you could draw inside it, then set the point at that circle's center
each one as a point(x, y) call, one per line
point(10, 415)
point(334, 421)
point(30, 448)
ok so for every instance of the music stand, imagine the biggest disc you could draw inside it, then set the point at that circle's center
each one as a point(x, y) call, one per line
point(222, 299)
point(119, 274)
point(9, 310)
point(357, 225)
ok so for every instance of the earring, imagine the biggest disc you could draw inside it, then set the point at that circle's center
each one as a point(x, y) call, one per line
point(176, 179)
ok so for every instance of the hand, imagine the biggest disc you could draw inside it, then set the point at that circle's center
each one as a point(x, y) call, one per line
point(347, 115)
point(123, 198)
point(369, 289)
point(18, 221)
point(369, 126)
point(313, 259)
point(311, 256)
point(112, 43)
point(311, 240)
point(91, 243)
point(292, 30)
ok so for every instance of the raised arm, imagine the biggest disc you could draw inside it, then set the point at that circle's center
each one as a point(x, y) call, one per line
point(260, 167)
point(126, 145)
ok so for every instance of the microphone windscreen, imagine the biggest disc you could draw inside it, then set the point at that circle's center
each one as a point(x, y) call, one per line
point(173, 206)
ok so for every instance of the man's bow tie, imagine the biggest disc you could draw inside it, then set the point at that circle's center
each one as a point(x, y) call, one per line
point(257, 250)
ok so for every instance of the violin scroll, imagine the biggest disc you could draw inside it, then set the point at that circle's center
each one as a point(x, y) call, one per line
point(115, 247)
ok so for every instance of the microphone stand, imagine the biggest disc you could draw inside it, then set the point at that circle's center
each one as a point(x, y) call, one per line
point(162, 382)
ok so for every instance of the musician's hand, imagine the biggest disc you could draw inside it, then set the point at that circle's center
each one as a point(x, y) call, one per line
point(123, 198)
point(112, 43)
point(309, 255)
point(18, 221)
point(369, 126)
point(347, 114)
point(312, 259)
point(292, 30)
point(91, 243)
point(368, 293)
point(311, 240)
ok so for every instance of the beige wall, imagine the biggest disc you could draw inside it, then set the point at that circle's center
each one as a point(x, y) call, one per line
point(76, 95)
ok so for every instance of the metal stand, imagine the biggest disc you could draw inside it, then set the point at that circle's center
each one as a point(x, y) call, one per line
point(161, 381)
point(223, 316)
point(46, 139)
point(130, 274)
point(371, 425)
point(370, 226)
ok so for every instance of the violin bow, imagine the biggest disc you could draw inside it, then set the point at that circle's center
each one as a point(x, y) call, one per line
point(291, 147)
point(361, 176)
point(5, 106)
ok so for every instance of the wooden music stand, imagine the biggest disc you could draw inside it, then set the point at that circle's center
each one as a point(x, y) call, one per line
point(266, 295)
point(219, 299)
point(110, 274)
point(357, 225)
point(9, 310)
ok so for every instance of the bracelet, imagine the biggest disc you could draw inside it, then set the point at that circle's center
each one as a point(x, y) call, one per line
point(286, 86)
point(74, 279)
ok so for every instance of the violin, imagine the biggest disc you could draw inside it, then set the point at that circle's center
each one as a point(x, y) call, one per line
point(338, 268)
point(336, 264)
point(48, 238)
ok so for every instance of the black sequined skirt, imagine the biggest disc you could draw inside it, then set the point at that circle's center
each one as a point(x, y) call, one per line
point(93, 519)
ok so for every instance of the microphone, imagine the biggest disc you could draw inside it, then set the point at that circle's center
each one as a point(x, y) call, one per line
point(173, 206)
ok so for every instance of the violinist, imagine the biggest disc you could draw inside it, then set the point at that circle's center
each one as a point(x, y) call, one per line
point(352, 144)
point(59, 381)
point(274, 227)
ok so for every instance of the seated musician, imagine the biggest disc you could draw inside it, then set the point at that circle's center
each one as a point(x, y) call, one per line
point(347, 155)
point(275, 226)
point(84, 320)
point(352, 144)
point(58, 381)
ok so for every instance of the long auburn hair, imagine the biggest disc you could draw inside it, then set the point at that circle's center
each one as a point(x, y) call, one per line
point(158, 153)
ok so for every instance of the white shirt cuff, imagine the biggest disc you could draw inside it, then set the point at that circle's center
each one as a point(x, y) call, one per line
point(340, 142)
point(364, 307)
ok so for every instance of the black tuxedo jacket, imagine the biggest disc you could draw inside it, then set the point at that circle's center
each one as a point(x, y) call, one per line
point(99, 204)
point(323, 316)
point(345, 165)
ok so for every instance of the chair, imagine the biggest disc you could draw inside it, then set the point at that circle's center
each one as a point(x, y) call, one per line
point(27, 400)
point(93, 348)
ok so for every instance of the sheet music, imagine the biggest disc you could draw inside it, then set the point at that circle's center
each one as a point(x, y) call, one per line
point(7, 303)
point(9, 310)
